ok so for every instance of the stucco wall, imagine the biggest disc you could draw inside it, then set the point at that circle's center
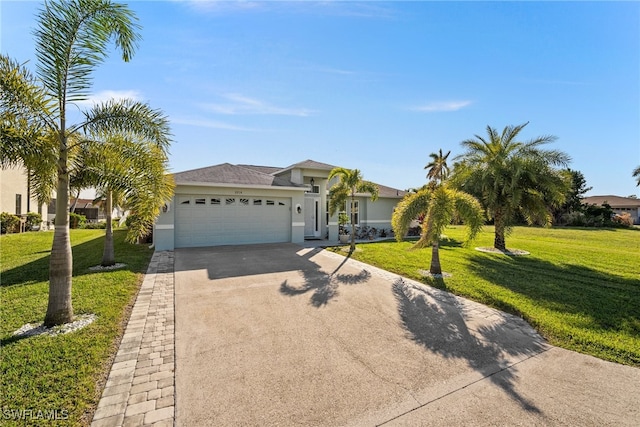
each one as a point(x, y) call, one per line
point(377, 214)
point(14, 181)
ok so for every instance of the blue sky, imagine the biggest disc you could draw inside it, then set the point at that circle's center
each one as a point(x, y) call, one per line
point(379, 86)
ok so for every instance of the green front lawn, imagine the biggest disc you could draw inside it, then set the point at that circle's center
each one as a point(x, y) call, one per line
point(580, 288)
point(61, 373)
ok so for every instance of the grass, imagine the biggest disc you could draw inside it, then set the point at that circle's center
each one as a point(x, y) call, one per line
point(580, 288)
point(62, 373)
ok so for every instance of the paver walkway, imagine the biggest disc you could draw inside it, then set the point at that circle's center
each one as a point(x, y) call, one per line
point(141, 385)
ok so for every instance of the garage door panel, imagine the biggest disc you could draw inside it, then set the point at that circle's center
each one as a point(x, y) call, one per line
point(225, 220)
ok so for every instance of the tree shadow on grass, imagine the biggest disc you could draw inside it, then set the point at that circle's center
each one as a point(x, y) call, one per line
point(435, 320)
point(324, 286)
point(85, 255)
point(606, 301)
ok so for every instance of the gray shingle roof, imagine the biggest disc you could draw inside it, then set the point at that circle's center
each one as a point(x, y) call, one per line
point(310, 164)
point(227, 173)
point(264, 169)
point(384, 191)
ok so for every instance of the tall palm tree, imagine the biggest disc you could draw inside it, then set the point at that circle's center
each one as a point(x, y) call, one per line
point(636, 174)
point(349, 185)
point(511, 176)
point(72, 39)
point(438, 170)
point(438, 204)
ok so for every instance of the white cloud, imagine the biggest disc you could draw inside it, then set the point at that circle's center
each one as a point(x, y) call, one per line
point(434, 107)
point(106, 95)
point(240, 104)
point(212, 124)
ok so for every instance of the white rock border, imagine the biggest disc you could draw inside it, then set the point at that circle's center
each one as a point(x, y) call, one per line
point(31, 330)
point(426, 273)
point(110, 267)
point(510, 252)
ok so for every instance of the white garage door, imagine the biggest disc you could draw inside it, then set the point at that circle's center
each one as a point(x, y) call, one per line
point(231, 220)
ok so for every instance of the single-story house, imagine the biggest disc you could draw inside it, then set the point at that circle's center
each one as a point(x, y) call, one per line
point(618, 204)
point(244, 204)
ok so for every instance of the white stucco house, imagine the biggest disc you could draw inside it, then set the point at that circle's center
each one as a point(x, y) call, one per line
point(243, 204)
point(618, 204)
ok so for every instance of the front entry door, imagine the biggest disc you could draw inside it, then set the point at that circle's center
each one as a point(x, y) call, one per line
point(312, 216)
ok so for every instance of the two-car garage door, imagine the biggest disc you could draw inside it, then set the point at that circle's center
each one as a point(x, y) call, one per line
point(231, 220)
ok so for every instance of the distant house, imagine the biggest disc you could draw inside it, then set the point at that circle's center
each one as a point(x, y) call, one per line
point(618, 204)
point(15, 197)
point(82, 207)
point(243, 204)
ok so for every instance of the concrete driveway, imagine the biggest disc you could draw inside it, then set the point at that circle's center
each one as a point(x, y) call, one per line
point(285, 335)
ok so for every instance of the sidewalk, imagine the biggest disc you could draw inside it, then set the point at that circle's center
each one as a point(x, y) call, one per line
point(141, 385)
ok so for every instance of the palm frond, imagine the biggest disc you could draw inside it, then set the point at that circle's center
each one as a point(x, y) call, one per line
point(407, 210)
point(71, 41)
point(128, 117)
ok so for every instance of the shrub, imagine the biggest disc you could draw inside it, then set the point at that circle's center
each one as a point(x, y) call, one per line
point(95, 225)
point(623, 219)
point(33, 220)
point(9, 222)
point(574, 219)
point(76, 221)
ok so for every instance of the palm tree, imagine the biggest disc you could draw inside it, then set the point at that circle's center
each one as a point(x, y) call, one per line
point(349, 185)
point(72, 39)
point(129, 173)
point(511, 177)
point(438, 170)
point(636, 174)
point(438, 204)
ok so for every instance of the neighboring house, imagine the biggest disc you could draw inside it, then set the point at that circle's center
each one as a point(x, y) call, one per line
point(618, 204)
point(93, 213)
point(243, 204)
point(15, 197)
point(82, 207)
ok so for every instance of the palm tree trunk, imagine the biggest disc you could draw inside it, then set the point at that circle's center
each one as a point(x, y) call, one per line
point(75, 201)
point(108, 255)
point(499, 240)
point(435, 259)
point(59, 308)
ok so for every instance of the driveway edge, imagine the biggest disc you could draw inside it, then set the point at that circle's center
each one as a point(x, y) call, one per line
point(140, 389)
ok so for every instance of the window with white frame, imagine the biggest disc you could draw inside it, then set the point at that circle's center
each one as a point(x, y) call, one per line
point(355, 212)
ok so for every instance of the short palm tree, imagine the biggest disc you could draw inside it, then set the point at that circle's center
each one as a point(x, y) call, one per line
point(636, 174)
point(349, 185)
point(438, 204)
point(72, 39)
point(129, 173)
point(511, 176)
point(437, 168)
